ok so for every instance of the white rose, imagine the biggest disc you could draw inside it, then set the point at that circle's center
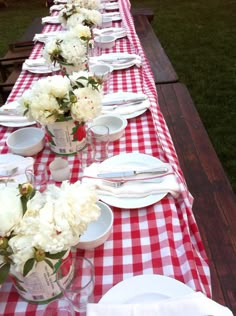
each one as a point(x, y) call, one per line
point(11, 210)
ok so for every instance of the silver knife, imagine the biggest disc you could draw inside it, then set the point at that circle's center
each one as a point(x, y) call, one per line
point(123, 174)
point(124, 101)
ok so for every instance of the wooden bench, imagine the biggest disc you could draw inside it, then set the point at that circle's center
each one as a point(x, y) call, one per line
point(35, 27)
point(161, 66)
point(214, 200)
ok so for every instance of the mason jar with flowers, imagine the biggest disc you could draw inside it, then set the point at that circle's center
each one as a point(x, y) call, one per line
point(63, 104)
point(37, 231)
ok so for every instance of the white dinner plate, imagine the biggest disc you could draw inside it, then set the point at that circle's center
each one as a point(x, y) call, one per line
point(134, 160)
point(127, 95)
point(145, 289)
point(12, 106)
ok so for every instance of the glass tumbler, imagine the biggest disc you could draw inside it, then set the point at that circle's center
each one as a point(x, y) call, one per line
point(79, 290)
point(98, 140)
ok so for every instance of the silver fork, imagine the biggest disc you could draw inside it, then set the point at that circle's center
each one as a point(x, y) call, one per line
point(118, 184)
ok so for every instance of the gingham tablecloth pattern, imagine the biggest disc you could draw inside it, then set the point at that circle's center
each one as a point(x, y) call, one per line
point(162, 238)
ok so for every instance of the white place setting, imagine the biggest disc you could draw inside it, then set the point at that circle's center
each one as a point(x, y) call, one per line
point(10, 116)
point(39, 66)
point(132, 180)
point(127, 104)
point(119, 61)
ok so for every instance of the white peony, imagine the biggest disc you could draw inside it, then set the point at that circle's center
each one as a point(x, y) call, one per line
point(11, 210)
point(88, 104)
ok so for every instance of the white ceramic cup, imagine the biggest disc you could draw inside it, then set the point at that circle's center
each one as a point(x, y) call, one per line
point(59, 169)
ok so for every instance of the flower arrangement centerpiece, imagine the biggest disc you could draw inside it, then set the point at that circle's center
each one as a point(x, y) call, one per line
point(63, 104)
point(69, 49)
point(37, 231)
point(72, 15)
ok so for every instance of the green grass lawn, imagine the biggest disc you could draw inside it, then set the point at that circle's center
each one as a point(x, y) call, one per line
point(199, 37)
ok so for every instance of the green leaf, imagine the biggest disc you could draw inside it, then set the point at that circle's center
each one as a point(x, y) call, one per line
point(20, 287)
point(49, 263)
point(28, 266)
point(4, 270)
point(58, 255)
point(57, 265)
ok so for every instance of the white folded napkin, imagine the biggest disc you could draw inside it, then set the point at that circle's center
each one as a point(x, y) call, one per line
point(36, 62)
point(124, 110)
point(118, 32)
point(139, 188)
point(56, 7)
point(118, 61)
point(43, 37)
point(13, 118)
point(19, 176)
point(196, 304)
point(113, 15)
point(50, 19)
point(39, 65)
point(9, 112)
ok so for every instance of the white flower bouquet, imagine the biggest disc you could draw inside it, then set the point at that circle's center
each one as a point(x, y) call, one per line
point(68, 48)
point(56, 98)
point(36, 227)
point(73, 15)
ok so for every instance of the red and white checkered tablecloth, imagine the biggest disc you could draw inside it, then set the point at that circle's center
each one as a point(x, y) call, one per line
point(162, 238)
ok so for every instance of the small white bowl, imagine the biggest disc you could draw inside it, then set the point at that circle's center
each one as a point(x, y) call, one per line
point(101, 71)
point(99, 231)
point(106, 21)
point(26, 141)
point(105, 41)
point(115, 122)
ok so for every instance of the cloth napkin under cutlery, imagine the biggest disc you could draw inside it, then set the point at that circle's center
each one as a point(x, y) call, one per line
point(131, 187)
point(51, 20)
point(56, 7)
point(43, 37)
point(117, 60)
point(19, 175)
point(124, 103)
point(118, 32)
point(10, 114)
point(114, 15)
point(194, 304)
point(39, 65)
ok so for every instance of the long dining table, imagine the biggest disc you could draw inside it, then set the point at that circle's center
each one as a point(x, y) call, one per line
point(162, 238)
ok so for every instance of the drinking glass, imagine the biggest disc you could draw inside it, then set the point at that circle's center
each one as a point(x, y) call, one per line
point(37, 175)
point(60, 307)
point(98, 139)
point(79, 289)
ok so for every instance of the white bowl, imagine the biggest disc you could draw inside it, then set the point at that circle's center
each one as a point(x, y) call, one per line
point(101, 71)
point(26, 141)
point(105, 41)
point(99, 231)
point(115, 122)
